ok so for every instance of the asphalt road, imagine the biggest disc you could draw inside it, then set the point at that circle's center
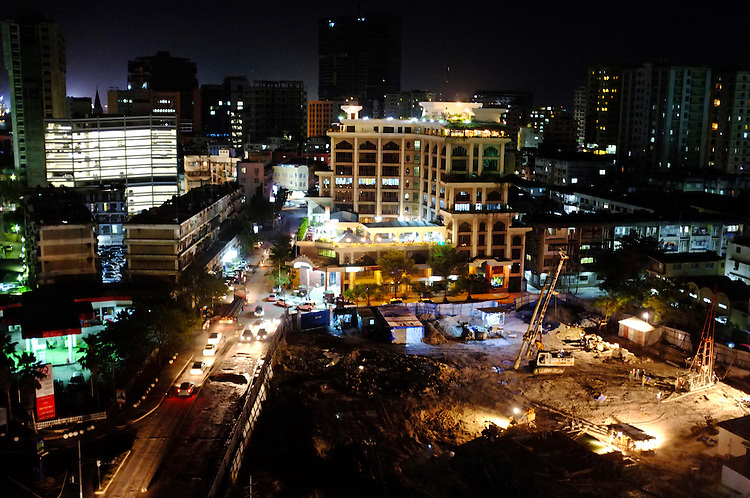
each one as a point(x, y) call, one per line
point(156, 431)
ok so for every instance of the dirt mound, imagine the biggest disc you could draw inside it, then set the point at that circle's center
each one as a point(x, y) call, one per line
point(229, 377)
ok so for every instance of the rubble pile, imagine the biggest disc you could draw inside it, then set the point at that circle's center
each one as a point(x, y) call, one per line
point(370, 372)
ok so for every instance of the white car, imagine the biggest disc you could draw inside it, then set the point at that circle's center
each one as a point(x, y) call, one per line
point(209, 350)
point(198, 368)
point(214, 338)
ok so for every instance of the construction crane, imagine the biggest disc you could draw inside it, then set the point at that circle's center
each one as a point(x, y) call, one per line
point(700, 374)
point(545, 359)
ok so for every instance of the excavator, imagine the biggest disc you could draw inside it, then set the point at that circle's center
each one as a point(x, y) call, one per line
point(546, 361)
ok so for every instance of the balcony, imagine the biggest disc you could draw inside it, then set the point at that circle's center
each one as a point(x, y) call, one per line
point(485, 177)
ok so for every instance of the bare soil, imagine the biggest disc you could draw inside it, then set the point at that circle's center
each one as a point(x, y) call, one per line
point(348, 417)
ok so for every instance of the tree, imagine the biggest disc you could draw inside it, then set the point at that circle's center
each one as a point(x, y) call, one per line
point(29, 375)
point(7, 366)
point(472, 283)
point(171, 327)
point(201, 288)
point(611, 303)
point(94, 359)
point(302, 231)
point(445, 261)
point(623, 269)
point(396, 268)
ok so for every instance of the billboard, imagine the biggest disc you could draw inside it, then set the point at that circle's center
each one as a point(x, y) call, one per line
point(45, 395)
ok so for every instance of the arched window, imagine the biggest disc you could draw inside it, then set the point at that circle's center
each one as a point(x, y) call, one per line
point(434, 149)
point(482, 227)
point(367, 146)
point(460, 151)
point(463, 196)
point(464, 227)
point(491, 152)
point(494, 196)
point(344, 145)
point(498, 227)
point(391, 146)
point(442, 151)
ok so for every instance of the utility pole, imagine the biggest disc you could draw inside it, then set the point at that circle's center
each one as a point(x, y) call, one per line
point(80, 471)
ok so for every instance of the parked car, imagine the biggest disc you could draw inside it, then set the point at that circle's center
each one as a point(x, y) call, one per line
point(259, 311)
point(209, 350)
point(426, 300)
point(272, 297)
point(198, 368)
point(186, 389)
point(77, 379)
point(214, 337)
point(283, 303)
point(306, 306)
point(395, 300)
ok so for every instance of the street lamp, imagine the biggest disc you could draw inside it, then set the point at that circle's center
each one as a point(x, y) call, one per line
point(80, 469)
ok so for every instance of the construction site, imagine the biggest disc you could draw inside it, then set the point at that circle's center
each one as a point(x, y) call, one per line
point(553, 403)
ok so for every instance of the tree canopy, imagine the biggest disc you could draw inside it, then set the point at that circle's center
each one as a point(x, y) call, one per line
point(396, 268)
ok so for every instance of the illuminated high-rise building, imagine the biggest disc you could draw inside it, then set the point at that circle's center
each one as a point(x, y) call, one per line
point(34, 53)
point(728, 127)
point(137, 151)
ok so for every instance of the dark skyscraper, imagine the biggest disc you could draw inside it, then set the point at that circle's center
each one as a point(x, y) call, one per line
point(275, 109)
point(359, 57)
point(34, 52)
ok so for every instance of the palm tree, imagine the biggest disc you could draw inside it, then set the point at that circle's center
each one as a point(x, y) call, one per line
point(29, 375)
point(7, 366)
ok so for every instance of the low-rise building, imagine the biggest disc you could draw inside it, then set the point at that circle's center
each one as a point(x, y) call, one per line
point(61, 241)
point(738, 260)
point(571, 168)
point(164, 241)
point(293, 177)
point(209, 169)
point(685, 264)
point(583, 236)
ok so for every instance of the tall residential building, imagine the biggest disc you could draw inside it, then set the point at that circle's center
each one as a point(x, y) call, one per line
point(34, 53)
point(406, 105)
point(448, 172)
point(164, 83)
point(359, 57)
point(579, 115)
point(321, 115)
point(602, 108)
point(663, 117)
point(275, 109)
point(517, 105)
point(138, 151)
point(728, 145)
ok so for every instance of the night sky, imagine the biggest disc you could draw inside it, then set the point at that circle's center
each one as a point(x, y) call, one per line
point(542, 46)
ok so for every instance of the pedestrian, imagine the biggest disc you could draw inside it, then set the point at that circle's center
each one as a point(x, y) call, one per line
point(630, 375)
point(643, 379)
point(658, 396)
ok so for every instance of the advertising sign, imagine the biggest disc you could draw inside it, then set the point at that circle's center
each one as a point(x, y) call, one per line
point(45, 395)
point(121, 396)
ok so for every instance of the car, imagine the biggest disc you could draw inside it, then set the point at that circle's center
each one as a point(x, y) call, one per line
point(283, 303)
point(395, 300)
point(257, 324)
point(198, 368)
point(259, 311)
point(247, 335)
point(209, 350)
point(214, 337)
point(186, 389)
point(426, 300)
point(306, 306)
point(77, 379)
point(272, 297)
point(261, 335)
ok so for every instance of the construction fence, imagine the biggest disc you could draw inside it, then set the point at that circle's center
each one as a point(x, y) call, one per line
point(451, 309)
point(239, 438)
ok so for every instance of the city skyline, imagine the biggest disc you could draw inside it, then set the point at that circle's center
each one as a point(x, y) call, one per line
point(545, 50)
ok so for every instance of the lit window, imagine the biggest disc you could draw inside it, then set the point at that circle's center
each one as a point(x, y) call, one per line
point(714, 126)
point(717, 102)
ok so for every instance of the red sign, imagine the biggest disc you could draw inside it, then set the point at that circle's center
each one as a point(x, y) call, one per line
point(45, 395)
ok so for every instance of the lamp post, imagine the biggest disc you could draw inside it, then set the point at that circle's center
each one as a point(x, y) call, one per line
point(79, 435)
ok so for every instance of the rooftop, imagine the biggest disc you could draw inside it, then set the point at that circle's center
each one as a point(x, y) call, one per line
point(57, 207)
point(179, 209)
point(686, 257)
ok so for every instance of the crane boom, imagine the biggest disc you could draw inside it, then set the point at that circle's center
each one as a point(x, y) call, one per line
point(535, 325)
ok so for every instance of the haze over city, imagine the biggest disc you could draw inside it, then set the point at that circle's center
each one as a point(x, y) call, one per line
point(543, 47)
